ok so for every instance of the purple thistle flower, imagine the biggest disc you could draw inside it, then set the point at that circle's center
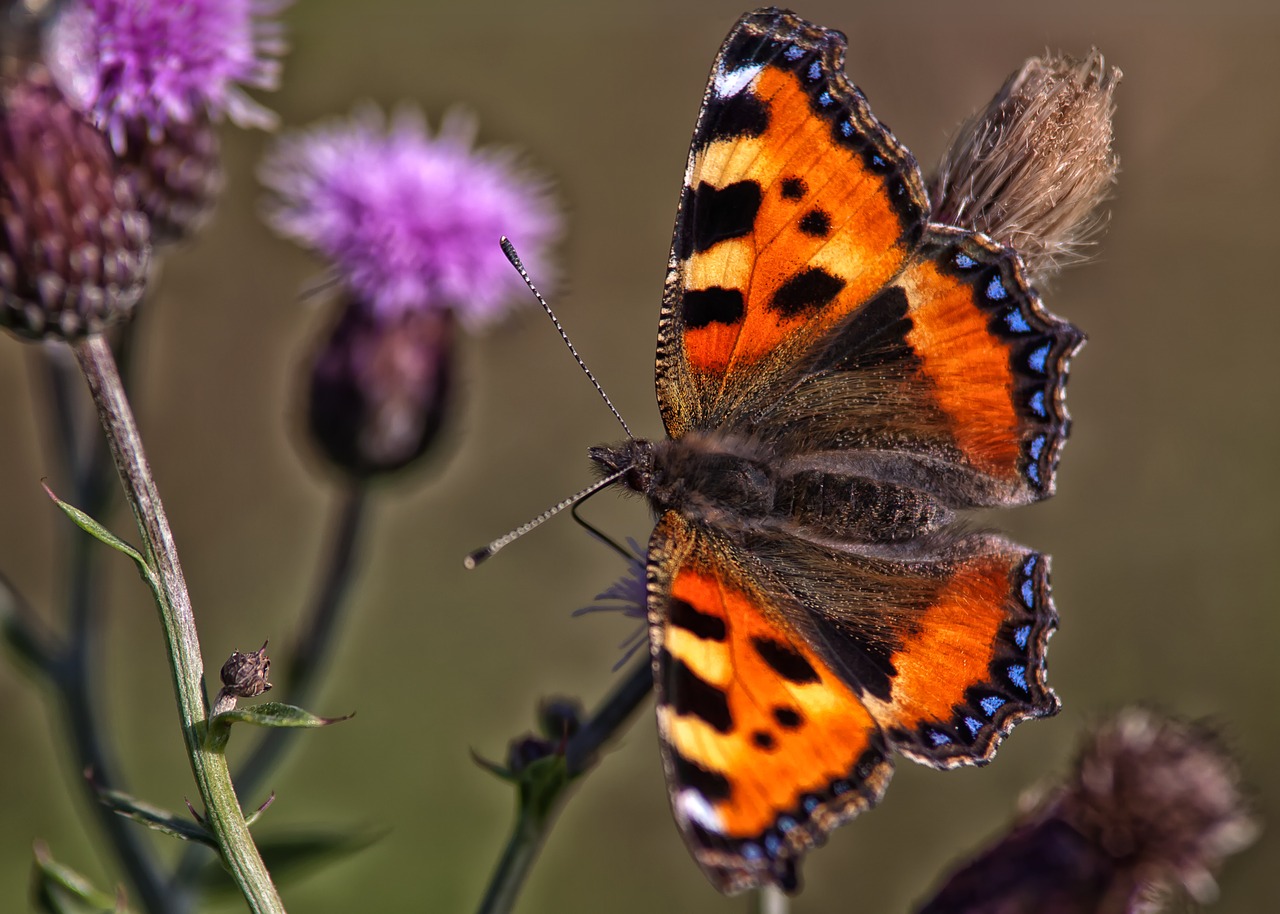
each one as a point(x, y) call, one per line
point(162, 62)
point(411, 221)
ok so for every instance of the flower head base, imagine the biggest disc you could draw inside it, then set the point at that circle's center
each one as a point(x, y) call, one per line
point(73, 246)
point(380, 389)
point(411, 221)
point(161, 62)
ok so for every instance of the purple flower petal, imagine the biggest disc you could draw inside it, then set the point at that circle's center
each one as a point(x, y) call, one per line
point(162, 61)
point(410, 220)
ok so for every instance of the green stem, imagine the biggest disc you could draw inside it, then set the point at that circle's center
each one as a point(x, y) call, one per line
point(213, 779)
point(580, 755)
point(313, 644)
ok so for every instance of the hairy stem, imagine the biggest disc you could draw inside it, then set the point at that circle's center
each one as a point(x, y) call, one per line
point(213, 779)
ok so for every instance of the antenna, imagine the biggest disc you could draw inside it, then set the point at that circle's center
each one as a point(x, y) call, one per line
point(510, 250)
point(475, 558)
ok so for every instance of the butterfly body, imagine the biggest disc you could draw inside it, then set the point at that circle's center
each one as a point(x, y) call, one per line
point(840, 379)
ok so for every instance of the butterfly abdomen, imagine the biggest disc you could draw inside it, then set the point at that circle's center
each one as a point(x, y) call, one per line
point(857, 508)
point(735, 482)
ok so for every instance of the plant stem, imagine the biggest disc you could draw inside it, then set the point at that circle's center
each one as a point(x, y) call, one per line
point(86, 460)
point(312, 646)
point(580, 754)
point(213, 779)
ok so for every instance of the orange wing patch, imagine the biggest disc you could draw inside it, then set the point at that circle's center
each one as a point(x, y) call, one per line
point(824, 237)
point(996, 361)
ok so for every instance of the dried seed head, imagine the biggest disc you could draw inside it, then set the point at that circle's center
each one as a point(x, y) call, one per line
point(1032, 168)
point(380, 388)
point(1162, 796)
point(245, 675)
point(1152, 807)
point(74, 247)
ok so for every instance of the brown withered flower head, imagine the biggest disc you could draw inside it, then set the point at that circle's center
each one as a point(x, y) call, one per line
point(1149, 813)
point(1032, 168)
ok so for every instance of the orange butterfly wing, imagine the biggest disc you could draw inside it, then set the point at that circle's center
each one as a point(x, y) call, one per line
point(805, 283)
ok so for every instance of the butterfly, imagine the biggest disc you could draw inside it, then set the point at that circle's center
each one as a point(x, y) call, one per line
point(838, 377)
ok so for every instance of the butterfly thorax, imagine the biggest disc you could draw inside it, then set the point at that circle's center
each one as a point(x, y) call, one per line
point(736, 482)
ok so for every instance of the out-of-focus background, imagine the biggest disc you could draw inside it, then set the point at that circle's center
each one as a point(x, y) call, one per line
point(1164, 534)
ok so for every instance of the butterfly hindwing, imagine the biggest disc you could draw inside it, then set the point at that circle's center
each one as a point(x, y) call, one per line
point(943, 639)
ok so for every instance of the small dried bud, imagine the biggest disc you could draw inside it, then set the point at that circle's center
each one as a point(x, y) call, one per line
point(560, 718)
point(526, 750)
point(245, 675)
point(1152, 808)
point(1032, 169)
point(380, 388)
point(73, 246)
point(177, 177)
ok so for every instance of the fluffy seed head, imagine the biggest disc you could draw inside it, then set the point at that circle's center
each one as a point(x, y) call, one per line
point(1033, 167)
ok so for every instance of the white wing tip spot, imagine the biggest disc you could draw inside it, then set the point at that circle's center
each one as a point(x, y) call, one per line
point(729, 83)
point(692, 806)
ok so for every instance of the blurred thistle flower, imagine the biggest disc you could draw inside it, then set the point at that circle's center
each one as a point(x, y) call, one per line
point(73, 246)
point(410, 221)
point(1151, 809)
point(1032, 168)
point(410, 224)
point(155, 75)
point(628, 595)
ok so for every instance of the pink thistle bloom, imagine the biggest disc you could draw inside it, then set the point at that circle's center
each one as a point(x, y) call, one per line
point(159, 62)
point(410, 220)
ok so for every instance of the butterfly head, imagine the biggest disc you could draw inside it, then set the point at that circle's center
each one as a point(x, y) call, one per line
point(633, 459)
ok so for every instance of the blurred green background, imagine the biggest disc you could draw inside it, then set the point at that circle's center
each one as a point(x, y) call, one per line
point(1164, 533)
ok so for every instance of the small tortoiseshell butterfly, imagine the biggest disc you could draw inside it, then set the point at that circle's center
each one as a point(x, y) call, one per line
point(837, 376)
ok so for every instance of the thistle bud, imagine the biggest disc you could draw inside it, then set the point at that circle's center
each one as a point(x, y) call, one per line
point(380, 388)
point(74, 247)
point(1032, 168)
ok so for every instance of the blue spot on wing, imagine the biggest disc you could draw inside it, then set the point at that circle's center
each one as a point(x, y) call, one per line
point(1015, 321)
point(825, 99)
point(786, 823)
point(793, 53)
point(1023, 632)
point(991, 704)
point(1037, 403)
point(809, 804)
point(752, 851)
point(965, 262)
point(1033, 473)
point(1037, 447)
point(815, 71)
point(1018, 675)
point(772, 844)
point(877, 161)
point(1028, 597)
point(1038, 358)
point(973, 724)
point(938, 738)
point(846, 128)
point(996, 290)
